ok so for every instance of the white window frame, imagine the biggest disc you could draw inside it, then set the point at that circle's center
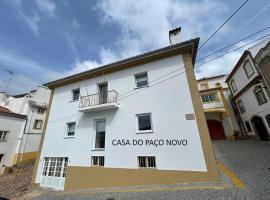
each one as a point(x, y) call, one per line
point(137, 123)
point(72, 94)
point(100, 161)
point(259, 98)
point(243, 110)
point(139, 74)
point(95, 134)
point(233, 86)
point(246, 71)
point(3, 135)
point(204, 86)
point(209, 96)
point(147, 162)
point(47, 168)
point(67, 129)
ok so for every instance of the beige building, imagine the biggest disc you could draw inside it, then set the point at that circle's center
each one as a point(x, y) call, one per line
point(219, 115)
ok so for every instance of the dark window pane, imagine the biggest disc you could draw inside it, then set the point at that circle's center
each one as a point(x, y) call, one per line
point(76, 94)
point(141, 80)
point(100, 140)
point(144, 122)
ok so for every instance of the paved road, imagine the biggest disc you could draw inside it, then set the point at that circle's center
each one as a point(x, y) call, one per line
point(248, 160)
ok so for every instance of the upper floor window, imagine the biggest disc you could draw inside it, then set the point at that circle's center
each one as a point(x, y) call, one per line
point(71, 128)
point(241, 106)
point(98, 161)
point(100, 134)
point(3, 136)
point(267, 117)
point(40, 110)
point(211, 97)
point(233, 86)
point(75, 94)
point(147, 161)
point(248, 69)
point(144, 122)
point(260, 96)
point(141, 80)
point(204, 86)
point(37, 124)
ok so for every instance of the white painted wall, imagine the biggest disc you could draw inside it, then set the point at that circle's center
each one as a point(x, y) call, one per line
point(168, 103)
point(15, 127)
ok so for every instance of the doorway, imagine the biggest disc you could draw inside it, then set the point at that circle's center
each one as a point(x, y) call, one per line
point(103, 92)
point(216, 130)
point(260, 128)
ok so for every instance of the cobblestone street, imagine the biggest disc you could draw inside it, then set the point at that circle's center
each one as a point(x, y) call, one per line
point(248, 160)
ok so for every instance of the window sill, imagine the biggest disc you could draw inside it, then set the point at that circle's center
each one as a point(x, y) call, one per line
point(73, 100)
point(136, 88)
point(98, 149)
point(144, 132)
point(147, 168)
point(67, 137)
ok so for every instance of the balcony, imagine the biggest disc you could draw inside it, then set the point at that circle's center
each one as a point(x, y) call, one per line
point(100, 101)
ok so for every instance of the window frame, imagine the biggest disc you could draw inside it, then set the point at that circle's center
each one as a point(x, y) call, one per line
point(49, 170)
point(95, 134)
point(139, 74)
point(245, 69)
point(255, 91)
point(204, 84)
point(72, 94)
point(3, 135)
point(248, 126)
point(146, 161)
point(208, 95)
point(242, 108)
point(234, 89)
point(137, 123)
point(67, 129)
point(100, 161)
point(41, 125)
point(40, 110)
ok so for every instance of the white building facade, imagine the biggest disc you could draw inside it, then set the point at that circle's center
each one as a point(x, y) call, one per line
point(250, 97)
point(215, 97)
point(23, 133)
point(108, 125)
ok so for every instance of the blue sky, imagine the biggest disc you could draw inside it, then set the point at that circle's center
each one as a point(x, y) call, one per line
point(42, 40)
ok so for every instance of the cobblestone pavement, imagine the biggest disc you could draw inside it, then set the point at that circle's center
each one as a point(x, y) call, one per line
point(248, 160)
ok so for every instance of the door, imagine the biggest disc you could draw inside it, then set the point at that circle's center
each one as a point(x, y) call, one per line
point(103, 93)
point(260, 128)
point(54, 173)
point(216, 130)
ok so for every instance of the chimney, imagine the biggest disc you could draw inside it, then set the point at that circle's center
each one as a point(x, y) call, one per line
point(174, 35)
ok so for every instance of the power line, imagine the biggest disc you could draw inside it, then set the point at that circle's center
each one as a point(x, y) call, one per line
point(196, 66)
point(223, 24)
point(249, 36)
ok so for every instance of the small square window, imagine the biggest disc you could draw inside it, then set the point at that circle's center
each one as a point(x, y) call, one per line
point(75, 94)
point(38, 124)
point(144, 122)
point(71, 128)
point(147, 161)
point(141, 80)
point(98, 161)
point(204, 86)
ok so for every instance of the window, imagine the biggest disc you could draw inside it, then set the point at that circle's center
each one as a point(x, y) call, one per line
point(3, 136)
point(75, 94)
point(1, 157)
point(211, 97)
point(144, 122)
point(248, 69)
point(248, 126)
point(41, 110)
point(241, 106)
point(56, 167)
point(267, 117)
point(233, 86)
point(147, 162)
point(37, 124)
point(204, 86)
point(260, 96)
point(100, 134)
point(141, 80)
point(98, 161)
point(71, 128)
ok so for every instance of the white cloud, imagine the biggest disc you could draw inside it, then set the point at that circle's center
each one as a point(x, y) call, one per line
point(46, 6)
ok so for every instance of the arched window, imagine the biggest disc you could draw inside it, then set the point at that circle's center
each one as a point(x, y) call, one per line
point(267, 117)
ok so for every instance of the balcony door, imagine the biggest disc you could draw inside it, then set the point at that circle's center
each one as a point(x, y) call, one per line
point(103, 92)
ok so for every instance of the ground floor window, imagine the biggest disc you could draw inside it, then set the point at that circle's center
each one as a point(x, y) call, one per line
point(3, 136)
point(267, 117)
point(248, 126)
point(55, 166)
point(147, 161)
point(1, 157)
point(98, 161)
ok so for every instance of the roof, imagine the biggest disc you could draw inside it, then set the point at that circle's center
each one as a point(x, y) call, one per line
point(211, 77)
point(6, 112)
point(23, 94)
point(238, 64)
point(190, 46)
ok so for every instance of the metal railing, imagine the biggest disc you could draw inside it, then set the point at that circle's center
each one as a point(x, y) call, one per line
point(98, 99)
